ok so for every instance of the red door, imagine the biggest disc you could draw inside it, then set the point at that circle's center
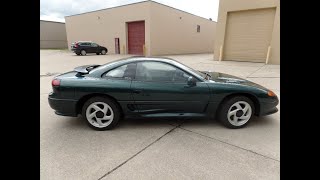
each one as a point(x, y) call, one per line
point(136, 37)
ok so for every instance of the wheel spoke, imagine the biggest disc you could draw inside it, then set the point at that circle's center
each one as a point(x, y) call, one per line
point(108, 117)
point(105, 109)
point(92, 115)
point(232, 112)
point(246, 116)
point(97, 108)
point(238, 106)
point(235, 119)
point(99, 121)
point(245, 109)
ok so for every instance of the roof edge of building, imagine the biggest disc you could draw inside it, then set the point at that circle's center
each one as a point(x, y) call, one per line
point(108, 8)
point(182, 11)
point(139, 3)
point(52, 21)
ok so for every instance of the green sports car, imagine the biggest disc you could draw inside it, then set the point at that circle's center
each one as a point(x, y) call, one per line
point(157, 87)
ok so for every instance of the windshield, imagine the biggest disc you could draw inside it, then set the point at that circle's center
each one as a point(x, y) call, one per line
point(194, 71)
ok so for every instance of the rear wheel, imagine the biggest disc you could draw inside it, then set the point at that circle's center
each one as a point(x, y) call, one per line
point(83, 52)
point(101, 113)
point(236, 112)
point(103, 52)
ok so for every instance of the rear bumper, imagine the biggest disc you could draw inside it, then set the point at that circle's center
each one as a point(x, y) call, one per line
point(63, 107)
point(75, 50)
point(269, 107)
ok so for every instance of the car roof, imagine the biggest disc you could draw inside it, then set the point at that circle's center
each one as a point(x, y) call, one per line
point(143, 58)
point(83, 41)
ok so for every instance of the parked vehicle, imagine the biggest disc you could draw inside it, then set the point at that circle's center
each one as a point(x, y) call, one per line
point(157, 87)
point(84, 47)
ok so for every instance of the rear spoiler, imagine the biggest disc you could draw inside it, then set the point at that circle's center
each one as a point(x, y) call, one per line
point(85, 69)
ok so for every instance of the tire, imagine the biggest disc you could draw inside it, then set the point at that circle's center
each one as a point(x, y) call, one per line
point(83, 52)
point(101, 107)
point(104, 51)
point(236, 112)
point(97, 53)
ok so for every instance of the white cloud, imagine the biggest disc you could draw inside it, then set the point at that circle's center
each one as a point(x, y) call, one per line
point(56, 10)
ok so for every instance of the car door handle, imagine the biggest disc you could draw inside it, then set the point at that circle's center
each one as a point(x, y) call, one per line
point(137, 91)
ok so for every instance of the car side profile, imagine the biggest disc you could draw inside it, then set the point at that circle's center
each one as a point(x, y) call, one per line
point(157, 87)
point(84, 47)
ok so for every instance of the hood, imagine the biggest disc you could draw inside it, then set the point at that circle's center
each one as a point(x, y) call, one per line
point(227, 78)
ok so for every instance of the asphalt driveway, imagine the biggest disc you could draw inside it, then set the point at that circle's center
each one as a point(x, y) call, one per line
point(158, 148)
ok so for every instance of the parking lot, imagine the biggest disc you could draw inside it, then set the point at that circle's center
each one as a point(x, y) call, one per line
point(158, 148)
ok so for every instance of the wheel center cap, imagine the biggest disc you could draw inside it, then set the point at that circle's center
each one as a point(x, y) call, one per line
point(239, 113)
point(99, 114)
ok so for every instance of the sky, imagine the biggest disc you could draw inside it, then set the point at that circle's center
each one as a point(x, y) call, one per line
point(56, 10)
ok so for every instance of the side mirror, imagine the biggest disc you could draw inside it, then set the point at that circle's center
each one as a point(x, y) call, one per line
point(192, 81)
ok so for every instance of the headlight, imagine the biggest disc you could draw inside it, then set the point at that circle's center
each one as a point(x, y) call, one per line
point(271, 93)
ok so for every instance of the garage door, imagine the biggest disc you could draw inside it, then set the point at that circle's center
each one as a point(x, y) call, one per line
point(136, 37)
point(248, 35)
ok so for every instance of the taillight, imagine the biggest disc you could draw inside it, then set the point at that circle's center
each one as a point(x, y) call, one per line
point(55, 82)
point(76, 45)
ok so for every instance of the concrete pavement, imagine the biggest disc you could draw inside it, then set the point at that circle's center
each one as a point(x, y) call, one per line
point(158, 148)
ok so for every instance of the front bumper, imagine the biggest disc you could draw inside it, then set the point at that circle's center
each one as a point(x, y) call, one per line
point(269, 107)
point(63, 107)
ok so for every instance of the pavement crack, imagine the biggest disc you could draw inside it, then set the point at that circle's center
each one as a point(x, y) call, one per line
point(139, 152)
point(256, 71)
point(230, 144)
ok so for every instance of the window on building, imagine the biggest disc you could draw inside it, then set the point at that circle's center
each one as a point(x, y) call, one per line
point(198, 28)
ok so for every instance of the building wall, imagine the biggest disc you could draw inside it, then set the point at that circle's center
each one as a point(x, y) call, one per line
point(104, 26)
point(52, 35)
point(226, 6)
point(171, 34)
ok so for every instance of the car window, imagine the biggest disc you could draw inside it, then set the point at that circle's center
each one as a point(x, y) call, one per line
point(123, 72)
point(180, 76)
point(94, 45)
point(84, 44)
point(161, 72)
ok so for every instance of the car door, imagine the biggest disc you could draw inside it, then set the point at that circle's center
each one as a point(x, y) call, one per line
point(94, 48)
point(159, 87)
point(117, 83)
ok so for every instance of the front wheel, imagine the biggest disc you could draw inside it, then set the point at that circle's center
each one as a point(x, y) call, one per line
point(101, 113)
point(103, 52)
point(236, 112)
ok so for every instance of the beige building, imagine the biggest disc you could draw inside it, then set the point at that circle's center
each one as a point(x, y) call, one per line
point(52, 35)
point(248, 30)
point(147, 26)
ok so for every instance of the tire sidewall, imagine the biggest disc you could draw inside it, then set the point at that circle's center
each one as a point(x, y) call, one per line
point(103, 53)
point(111, 103)
point(85, 52)
point(223, 114)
